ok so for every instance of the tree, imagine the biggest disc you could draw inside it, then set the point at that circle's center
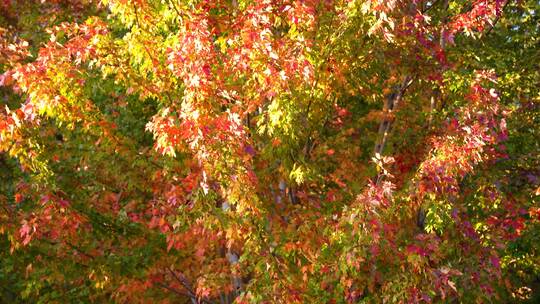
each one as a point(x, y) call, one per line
point(269, 151)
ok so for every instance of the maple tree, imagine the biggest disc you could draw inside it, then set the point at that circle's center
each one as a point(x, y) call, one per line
point(270, 151)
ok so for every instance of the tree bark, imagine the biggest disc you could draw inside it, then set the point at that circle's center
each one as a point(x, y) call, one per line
point(391, 103)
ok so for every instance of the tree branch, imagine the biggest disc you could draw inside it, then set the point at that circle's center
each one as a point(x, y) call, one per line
point(391, 103)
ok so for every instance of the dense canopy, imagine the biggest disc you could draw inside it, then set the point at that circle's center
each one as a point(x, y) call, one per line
point(269, 151)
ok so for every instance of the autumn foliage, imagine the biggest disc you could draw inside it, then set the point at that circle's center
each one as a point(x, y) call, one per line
point(269, 151)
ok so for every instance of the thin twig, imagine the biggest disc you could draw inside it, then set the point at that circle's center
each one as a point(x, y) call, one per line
point(497, 19)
